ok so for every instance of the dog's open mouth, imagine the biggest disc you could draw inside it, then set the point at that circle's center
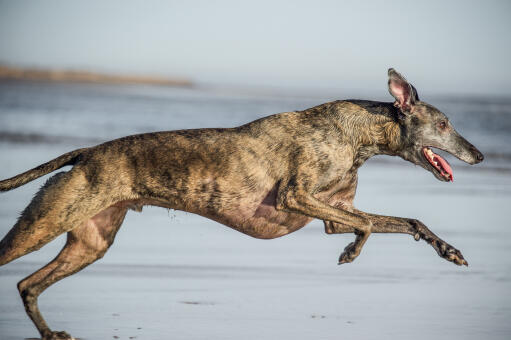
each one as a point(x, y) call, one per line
point(438, 163)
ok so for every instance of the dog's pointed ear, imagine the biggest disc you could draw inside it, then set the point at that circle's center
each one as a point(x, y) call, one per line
point(405, 94)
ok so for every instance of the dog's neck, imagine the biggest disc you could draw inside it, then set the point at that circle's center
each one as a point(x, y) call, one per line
point(369, 127)
point(383, 138)
point(373, 128)
point(385, 135)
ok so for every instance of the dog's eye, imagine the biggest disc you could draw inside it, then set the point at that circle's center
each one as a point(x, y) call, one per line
point(442, 125)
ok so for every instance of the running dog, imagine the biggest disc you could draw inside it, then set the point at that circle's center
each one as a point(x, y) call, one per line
point(266, 179)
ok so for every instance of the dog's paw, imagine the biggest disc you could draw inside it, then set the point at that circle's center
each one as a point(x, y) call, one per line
point(443, 249)
point(449, 253)
point(349, 254)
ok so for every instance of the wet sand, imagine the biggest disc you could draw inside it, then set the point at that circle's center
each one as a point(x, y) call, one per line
point(180, 276)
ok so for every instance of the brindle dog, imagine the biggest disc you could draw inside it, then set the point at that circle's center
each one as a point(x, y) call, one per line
point(267, 179)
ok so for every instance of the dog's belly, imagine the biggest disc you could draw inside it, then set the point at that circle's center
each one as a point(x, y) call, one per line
point(254, 215)
point(258, 217)
point(264, 222)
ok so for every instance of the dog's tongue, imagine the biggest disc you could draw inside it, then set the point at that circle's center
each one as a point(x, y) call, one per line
point(445, 166)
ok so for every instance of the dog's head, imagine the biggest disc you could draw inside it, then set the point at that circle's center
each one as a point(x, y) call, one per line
point(424, 127)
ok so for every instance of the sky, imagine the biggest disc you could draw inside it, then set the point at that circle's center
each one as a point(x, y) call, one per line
point(442, 47)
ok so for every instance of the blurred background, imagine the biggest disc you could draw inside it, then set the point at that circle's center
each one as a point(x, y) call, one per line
point(75, 74)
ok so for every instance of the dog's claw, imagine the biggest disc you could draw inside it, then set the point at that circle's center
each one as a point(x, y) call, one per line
point(417, 237)
point(344, 260)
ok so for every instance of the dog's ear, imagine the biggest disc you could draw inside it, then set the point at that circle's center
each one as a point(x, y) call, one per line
point(405, 94)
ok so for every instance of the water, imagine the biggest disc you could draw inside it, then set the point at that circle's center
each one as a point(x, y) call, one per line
point(181, 275)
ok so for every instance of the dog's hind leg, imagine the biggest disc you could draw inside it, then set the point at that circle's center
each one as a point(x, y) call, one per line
point(35, 226)
point(85, 244)
point(63, 203)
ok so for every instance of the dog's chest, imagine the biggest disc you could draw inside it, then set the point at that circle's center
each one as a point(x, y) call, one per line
point(338, 185)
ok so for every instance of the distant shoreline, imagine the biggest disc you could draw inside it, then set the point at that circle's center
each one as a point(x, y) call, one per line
point(79, 76)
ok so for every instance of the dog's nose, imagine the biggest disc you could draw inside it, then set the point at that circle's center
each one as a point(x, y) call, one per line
point(478, 155)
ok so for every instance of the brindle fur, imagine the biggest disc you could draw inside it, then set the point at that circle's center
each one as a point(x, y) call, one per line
point(266, 179)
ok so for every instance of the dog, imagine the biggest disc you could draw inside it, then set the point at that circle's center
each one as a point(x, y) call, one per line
point(266, 179)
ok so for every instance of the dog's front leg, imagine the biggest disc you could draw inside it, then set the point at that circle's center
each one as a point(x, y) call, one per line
point(390, 224)
point(300, 201)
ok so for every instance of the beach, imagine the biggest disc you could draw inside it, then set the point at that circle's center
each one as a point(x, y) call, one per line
point(177, 275)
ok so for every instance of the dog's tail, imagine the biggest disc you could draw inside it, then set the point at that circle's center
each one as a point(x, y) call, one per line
point(69, 158)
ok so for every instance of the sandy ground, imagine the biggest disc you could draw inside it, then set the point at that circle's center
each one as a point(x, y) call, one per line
point(180, 276)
